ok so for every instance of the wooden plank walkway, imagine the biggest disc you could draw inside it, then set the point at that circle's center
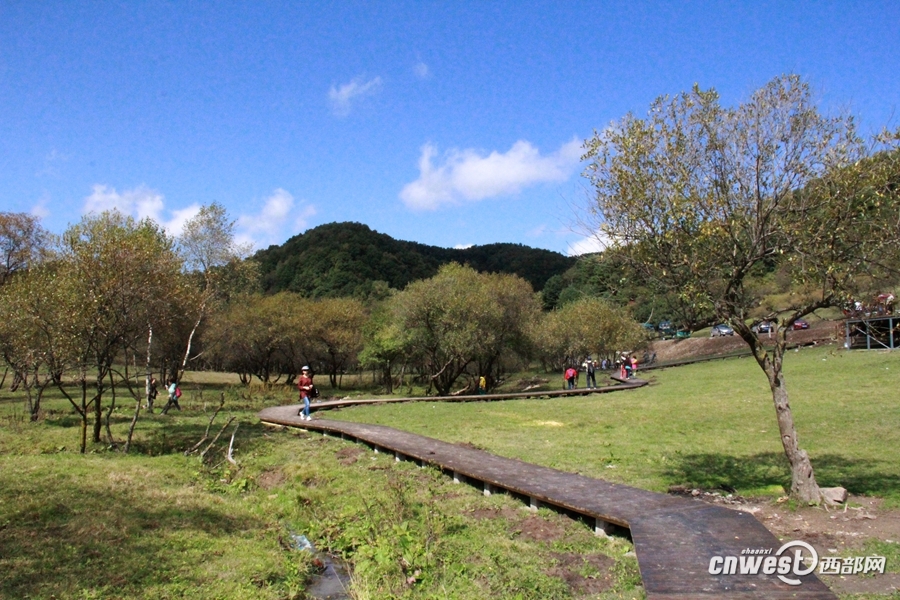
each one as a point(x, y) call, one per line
point(622, 384)
point(674, 538)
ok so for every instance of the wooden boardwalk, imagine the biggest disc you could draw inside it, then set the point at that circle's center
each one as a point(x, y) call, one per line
point(622, 384)
point(674, 538)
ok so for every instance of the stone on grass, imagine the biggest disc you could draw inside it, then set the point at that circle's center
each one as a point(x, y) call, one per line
point(834, 495)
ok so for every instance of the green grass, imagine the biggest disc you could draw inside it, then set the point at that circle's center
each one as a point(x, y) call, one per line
point(707, 425)
point(158, 524)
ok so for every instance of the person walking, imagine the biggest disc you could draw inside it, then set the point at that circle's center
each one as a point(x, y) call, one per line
point(152, 393)
point(174, 394)
point(570, 375)
point(305, 386)
point(590, 367)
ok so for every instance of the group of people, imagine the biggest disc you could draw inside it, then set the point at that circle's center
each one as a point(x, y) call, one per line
point(172, 389)
point(304, 385)
point(627, 365)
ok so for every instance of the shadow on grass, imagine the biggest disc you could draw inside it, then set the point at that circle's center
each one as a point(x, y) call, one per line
point(768, 469)
point(62, 540)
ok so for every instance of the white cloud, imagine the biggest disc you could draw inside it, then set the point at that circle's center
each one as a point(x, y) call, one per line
point(277, 220)
point(462, 246)
point(342, 97)
point(421, 70)
point(141, 203)
point(469, 175)
point(588, 245)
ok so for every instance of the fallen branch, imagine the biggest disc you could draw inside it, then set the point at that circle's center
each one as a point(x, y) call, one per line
point(216, 439)
point(231, 444)
point(208, 425)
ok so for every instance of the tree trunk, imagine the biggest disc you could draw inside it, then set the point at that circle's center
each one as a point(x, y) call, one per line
point(803, 480)
point(187, 350)
point(84, 414)
point(146, 386)
point(387, 377)
point(98, 417)
point(112, 407)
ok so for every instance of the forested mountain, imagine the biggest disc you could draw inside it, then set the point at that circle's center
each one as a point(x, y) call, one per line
point(350, 259)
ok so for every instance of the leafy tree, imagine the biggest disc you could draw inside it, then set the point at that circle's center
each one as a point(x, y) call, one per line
point(697, 196)
point(335, 329)
point(383, 344)
point(504, 329)
point(588, 326)
point(22, 243)
point(115, 271)
point(460, 317)
point(33, 339)
point(246, 337)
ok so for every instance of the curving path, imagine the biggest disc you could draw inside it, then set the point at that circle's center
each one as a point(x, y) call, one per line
point(674, 538)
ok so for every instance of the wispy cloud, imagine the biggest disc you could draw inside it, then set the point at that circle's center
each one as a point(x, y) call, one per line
point(51, 164)
point(343, 97)
point(467, 175)
point(421, 70)
point(279, 218)
point(40, 209)
point(141, 203)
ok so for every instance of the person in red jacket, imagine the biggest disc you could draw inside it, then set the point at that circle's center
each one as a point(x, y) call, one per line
point(570, 375)
point(305, 386)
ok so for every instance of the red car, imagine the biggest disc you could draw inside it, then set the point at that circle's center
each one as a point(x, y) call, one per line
point(800, 324)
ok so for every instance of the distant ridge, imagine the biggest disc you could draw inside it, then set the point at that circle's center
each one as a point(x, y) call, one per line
point(349, 259)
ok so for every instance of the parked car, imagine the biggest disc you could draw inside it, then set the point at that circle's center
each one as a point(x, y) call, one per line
point(682, 334)
point(666, 329)
point(800, 324)
point(764, 327)
point(720, 330)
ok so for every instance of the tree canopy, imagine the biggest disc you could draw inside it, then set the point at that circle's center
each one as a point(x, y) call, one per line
point(697, 196)
point(349, 259)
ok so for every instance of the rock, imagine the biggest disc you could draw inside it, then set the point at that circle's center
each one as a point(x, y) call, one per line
point(695, 493)
point(835, 495)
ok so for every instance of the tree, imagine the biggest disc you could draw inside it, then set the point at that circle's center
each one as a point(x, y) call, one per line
point(211, 254)
point(246, 337)
point(382, 344)
point(22, 242)
point(33, 337)
point(119, 276)
point(589, 326)
point(335, 330)
point(460, 317)
point(698, 195)
point(504, 329)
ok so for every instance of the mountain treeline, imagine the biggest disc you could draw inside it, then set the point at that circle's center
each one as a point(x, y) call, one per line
point(350, 259)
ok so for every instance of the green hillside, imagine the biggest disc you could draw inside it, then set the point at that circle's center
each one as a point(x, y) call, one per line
point(350, 259)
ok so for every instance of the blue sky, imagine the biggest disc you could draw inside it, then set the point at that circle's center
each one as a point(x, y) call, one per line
point(450, 124)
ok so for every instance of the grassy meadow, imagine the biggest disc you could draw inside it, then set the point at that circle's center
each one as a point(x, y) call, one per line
point(707, 425)
point(159, 524)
